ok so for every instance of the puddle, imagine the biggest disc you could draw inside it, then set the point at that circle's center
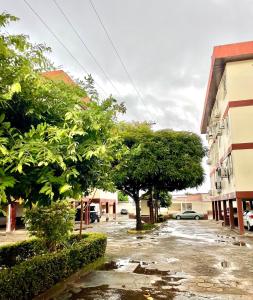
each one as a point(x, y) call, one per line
point(143, 263)
point(142, 270)
point(172, 259)
point(172, 278)
point(111, 265)
point(239, 243)
point(224, 264)
point(104, 292)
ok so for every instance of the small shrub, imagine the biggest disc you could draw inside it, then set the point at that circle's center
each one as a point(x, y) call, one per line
point(147, 226)
point(36, 275)
point(52, 224)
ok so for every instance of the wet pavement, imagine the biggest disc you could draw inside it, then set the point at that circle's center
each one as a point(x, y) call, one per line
point(181, 260)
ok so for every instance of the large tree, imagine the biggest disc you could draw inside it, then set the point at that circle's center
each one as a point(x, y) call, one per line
point(163, 160)
point(52, 144)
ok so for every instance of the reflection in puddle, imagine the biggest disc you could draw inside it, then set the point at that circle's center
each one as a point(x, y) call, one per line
point(224, 264)
point(239, 243)
point(104, 292)
point(142, 270)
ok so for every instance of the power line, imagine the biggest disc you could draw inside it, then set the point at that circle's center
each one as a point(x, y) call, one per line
point(60, 42)
point(85, 45)
point(116, 51)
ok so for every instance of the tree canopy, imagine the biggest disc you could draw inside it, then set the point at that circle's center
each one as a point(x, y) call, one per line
point(165, 160)
point(52, 144)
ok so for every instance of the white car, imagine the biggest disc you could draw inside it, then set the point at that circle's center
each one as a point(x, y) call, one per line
point(248, 219)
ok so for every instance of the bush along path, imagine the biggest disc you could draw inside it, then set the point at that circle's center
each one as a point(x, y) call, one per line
point(27, 270)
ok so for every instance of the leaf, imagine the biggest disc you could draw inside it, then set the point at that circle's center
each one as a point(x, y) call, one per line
point(14, 88)
point(65, 188)
point(3, 150)
point(20, 154)
point(19, 168)
point(2, 116)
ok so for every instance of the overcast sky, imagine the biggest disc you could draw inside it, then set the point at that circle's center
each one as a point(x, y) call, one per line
point(165, 45)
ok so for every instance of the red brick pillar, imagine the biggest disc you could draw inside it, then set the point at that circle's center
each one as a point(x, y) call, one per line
point(114, 210)
point(13, 216)
point(216, 210)
point(213, 210)
point(240, 215)
point(225, 214)
point(231, 214)
point(251, 204)
point(219, 211)
point(107, 211)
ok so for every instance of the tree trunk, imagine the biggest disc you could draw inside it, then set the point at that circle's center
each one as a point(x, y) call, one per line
point(138, 212)
point(151, 207)
point(81, 219)
point(156, 211)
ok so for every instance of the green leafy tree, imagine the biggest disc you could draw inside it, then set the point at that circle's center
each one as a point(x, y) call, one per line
point(164, 160)
point(122, 197)
point(52, 144)
point(164, 197)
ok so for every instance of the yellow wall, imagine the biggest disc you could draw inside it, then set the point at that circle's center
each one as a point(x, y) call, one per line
point(243, 169)
point(240, 80)
point(144, 207)
point(242, 123)
point(236, 84)
point(202, 207)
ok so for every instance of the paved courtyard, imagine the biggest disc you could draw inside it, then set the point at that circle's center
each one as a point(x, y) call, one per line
point(181, 260)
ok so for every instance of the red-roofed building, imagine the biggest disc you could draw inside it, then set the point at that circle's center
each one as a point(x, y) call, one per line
point(58, 75)
point(228, 123)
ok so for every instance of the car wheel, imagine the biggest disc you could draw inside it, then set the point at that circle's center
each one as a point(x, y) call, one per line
point(197, 218)
point(248, 226)
point(178, 217)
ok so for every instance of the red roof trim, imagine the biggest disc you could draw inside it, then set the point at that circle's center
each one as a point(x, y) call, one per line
point(222, 55)
point(63, 76)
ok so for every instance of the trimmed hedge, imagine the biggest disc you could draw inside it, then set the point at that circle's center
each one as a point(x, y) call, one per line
point(39, 273)
point(13, 254)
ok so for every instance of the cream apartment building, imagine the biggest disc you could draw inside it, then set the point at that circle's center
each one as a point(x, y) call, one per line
point(227, 122)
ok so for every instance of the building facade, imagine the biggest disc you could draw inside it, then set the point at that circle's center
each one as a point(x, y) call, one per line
point(228, 124)
point(199, 202)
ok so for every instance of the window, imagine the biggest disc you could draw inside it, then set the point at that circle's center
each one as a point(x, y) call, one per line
point(187, 206)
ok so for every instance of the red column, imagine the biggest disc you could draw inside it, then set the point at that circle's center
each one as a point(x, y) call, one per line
point(231, 214)
point(226, 222)
point(13, 216)
point(213, 210)
point(216, 210)
point(251, 204)
point(107, 210)
point(114, 210)
point(240, 215)
point(219, 210)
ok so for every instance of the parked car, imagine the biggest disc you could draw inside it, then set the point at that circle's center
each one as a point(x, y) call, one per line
point(248, 219)
point(94, 216)
point(189, 214)
point(123, 211)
